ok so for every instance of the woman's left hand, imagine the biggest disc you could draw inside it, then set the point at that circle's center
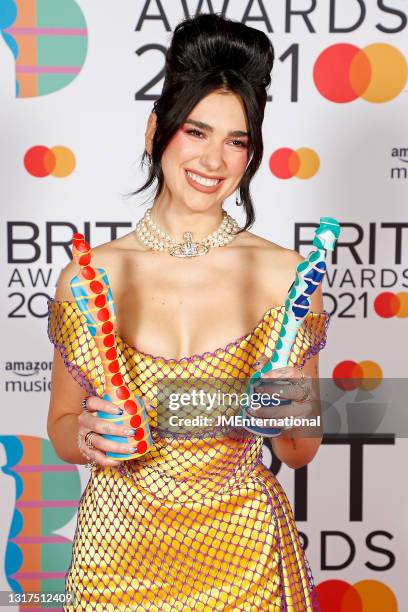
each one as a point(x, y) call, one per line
point(289, 384)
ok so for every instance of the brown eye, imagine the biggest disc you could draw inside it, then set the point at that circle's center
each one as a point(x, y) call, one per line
point(194, 132)
point(241, 143)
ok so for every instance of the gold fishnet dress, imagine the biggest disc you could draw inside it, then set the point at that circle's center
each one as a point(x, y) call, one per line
point(198, 523)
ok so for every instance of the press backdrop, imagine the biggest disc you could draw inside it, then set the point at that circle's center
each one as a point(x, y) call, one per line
point(78, 80)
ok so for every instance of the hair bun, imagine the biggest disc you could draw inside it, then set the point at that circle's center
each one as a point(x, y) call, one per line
point(209, 54)
point(209, 42)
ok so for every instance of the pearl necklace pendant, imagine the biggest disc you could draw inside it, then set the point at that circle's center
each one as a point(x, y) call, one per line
point(154, 238)
point(188, 248)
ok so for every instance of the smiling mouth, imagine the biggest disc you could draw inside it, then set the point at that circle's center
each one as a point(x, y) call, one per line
point(206, 182)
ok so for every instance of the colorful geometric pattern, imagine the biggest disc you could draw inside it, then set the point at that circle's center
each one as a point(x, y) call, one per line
point(198, 523)
point(46, 493)
point(93, 296)
point(48, 39)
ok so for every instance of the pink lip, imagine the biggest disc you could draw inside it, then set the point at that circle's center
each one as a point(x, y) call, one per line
point(221, 178)
point(203, 188)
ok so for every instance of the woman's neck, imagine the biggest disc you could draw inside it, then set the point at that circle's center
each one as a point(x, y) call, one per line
point(175, 220)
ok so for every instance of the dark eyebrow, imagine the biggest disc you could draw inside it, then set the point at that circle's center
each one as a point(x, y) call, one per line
point(209, 128)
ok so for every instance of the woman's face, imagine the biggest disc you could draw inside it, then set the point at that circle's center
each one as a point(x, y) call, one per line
point(206, 158)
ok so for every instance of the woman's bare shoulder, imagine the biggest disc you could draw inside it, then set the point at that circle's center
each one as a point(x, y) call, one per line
point(275, 267)
point(109, 256)
point(271, 252)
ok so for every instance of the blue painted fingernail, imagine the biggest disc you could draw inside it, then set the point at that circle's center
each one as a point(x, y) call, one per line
point(130, 432)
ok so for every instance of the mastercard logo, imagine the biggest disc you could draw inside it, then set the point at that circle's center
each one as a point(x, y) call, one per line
point(286, 163)
point(350, 375)
point(41, 161)
point(362, 596)
point(377, 73)
point(389, 304)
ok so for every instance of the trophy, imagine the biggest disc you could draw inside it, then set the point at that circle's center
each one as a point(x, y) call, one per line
point(93, 296)
point(309, 275)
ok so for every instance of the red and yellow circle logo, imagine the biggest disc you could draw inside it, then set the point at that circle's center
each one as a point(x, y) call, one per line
point(388, 304)
point(286, 163)
point(377, 73)
point(362, 596)
point(41, 161)
point(349, 375)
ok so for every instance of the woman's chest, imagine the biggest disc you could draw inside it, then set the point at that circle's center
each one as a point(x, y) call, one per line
point(178, 311)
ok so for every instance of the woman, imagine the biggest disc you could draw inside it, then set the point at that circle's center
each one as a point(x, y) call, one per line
point(198, 522)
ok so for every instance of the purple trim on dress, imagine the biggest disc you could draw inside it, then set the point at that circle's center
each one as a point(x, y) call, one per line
point(312, 350)
point(199, 474)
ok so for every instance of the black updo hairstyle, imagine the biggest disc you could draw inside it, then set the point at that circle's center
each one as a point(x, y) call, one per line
point(209, 53)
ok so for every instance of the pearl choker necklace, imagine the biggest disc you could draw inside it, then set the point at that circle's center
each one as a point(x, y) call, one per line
point(154, 238)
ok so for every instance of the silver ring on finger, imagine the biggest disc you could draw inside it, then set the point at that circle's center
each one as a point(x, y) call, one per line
point(301, 380)
point(84, 403)
point(306, 394)
point(79, 442)
point(91, 464)
point(89, 437)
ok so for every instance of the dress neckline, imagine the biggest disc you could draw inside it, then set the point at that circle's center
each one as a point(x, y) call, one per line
point(195, 356)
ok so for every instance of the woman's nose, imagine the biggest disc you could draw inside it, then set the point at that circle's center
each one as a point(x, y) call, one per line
point(212, 157)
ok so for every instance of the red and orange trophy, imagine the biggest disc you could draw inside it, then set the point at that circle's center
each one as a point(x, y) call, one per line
point(93, 297)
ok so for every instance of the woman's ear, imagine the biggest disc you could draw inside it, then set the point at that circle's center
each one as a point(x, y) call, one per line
point(149, 133)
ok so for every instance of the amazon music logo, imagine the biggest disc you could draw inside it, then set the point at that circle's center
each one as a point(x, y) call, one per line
point(399, 157)
point(27, 376)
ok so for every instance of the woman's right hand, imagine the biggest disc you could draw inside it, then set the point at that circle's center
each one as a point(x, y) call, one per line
point(88, 421)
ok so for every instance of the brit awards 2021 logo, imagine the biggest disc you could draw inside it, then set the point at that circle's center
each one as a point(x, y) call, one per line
point(48, 40)
point(40, 497)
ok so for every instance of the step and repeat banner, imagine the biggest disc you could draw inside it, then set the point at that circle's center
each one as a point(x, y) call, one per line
point(77, 83)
